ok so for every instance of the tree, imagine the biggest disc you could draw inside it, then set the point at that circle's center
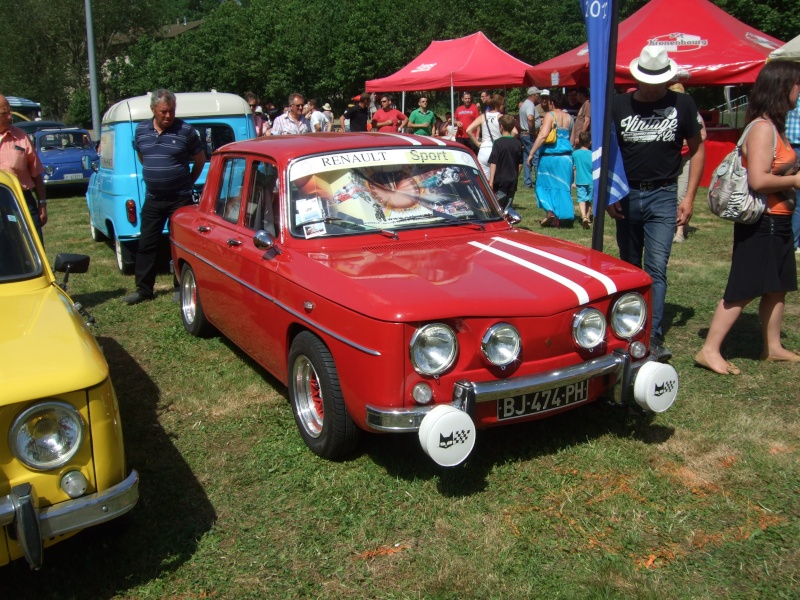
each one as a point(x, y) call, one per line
point(54, 63)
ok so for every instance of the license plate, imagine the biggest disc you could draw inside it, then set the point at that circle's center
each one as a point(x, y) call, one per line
point(69, 176)
point(543, 401)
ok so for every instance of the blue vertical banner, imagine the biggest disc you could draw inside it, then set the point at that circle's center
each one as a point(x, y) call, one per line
point(599, 16)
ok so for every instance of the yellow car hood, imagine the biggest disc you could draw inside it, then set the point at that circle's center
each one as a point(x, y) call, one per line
point(45, 348)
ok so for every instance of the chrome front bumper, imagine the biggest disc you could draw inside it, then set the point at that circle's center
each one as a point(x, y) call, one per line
point(33, 525)
point(467, 394)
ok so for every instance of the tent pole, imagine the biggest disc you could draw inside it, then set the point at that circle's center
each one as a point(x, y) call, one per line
point(452, 106)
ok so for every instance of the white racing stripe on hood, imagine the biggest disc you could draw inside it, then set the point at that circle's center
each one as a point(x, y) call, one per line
point(582, 294)
point(405, 138)
point(604, 279)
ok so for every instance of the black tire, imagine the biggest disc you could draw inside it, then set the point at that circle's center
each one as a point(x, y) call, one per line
point(126, 256)
point(317, 402)
point(192, 314)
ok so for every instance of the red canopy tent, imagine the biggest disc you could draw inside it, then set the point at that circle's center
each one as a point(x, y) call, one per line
point(710, 46)
point(470, 62)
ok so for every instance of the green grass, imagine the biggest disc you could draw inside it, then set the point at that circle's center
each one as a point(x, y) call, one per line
point(700, 502)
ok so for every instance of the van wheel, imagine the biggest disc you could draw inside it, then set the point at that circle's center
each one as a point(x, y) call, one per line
point(317, 402)
point(97, 235)
point(126, 259)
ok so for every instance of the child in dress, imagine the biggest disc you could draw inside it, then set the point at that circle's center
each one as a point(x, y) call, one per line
point(582, 177)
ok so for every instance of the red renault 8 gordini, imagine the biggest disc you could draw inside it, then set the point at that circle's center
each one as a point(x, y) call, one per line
point(376, 276)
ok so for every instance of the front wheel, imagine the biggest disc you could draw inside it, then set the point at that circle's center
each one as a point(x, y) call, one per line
point(317, 402)
point(192, 314)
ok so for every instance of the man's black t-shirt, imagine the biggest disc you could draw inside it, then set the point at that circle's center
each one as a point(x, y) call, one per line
point(650, 134)
point(358, 116)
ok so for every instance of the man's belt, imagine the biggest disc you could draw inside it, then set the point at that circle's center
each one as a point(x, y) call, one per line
point(647, 186)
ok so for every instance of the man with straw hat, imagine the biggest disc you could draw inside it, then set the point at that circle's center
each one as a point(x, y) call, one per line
point(651, 124)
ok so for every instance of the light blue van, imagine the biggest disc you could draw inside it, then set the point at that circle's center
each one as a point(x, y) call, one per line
point(116, 190)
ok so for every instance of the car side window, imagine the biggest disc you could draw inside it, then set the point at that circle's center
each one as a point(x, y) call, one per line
point(260, 210)
point(229, 200)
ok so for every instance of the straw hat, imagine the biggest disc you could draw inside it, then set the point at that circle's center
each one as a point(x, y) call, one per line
point(653, 65)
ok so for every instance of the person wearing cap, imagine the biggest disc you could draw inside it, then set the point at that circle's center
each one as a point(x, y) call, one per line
point(528, 128)
point(357, 115)
point(388, 119)
point(651, 125)
point(328, 112)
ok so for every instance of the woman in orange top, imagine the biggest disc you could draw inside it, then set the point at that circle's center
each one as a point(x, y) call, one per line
point(763, 262)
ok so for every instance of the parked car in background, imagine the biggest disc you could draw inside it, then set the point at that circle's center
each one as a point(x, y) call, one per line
point(31, 127)
point(62, 460)
point(376, 276)
point(116, 191)
point(67, 155)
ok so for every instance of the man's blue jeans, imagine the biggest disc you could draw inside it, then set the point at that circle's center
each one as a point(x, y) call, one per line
point(527, 144)
point(647, 230)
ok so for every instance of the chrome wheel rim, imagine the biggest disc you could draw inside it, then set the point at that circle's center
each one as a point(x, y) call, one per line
point(189, 297)
point(308, 397)
point(118, 252)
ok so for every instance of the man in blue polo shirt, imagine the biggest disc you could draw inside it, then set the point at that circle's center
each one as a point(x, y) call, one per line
point(165, 146)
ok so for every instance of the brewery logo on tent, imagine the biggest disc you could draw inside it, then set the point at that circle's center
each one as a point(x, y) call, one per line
point(423, 68)
point(678, 42)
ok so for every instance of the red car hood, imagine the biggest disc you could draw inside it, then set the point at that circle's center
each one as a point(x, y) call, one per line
point(506, 273)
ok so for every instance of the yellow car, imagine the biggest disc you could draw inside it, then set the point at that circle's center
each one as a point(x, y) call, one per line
point(62, 462)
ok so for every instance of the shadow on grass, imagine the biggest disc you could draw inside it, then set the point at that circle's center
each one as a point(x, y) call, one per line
point(402, 456)
point(155, 538)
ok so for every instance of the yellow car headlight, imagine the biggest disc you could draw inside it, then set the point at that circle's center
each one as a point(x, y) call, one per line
point(46, 435)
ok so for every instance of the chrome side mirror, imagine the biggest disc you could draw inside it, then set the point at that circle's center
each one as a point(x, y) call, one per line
point(512, 216)
point(264, 240)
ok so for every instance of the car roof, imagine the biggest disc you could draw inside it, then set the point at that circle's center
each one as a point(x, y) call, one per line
point(187, 105)
point(49, 130)
point(287, 147)
point(31, 126)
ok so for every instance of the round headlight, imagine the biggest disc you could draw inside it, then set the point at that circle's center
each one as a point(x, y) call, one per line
point(589, 328)
point(629, 315)
point(501, 345)
point(433, 349)
point(46, 435)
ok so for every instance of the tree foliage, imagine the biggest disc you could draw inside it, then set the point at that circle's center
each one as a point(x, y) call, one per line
point(324, 50)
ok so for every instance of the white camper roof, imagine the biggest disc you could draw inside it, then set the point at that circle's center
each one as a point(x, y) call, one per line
point(188, 105)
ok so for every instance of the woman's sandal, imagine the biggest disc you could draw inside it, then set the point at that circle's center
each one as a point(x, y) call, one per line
point(730, 368)
point(549, 220)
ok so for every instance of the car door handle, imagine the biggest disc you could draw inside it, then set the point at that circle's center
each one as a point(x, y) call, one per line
point(204, 229)
point(232, 242)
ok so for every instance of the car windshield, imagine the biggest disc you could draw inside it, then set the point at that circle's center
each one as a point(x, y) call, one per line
point(60, 140)
point(19, 258)
point(385, 189)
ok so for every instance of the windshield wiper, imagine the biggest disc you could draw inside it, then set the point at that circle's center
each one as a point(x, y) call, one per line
point(357, 223)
